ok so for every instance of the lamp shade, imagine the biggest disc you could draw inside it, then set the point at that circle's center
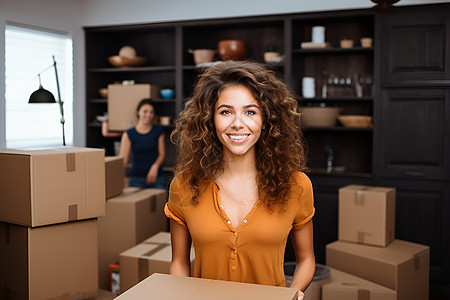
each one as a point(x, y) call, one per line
point(42, 96)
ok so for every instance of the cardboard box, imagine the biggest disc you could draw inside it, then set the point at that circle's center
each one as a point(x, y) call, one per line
point(114, 176)
point(402, 266)
point(49, 262)
point(169, 287)
point(344, 286)
point(43, 187)
point(367, 215)
point(123, 101)
point(154, 255)
point(130, 218)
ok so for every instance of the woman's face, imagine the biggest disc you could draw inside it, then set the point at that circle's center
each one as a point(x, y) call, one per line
point(146, 114)
point(238, 119)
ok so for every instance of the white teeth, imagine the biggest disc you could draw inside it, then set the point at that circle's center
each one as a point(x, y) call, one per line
point(238, 137)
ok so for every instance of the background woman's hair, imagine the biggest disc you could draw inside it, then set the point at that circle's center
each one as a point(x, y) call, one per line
point(280, 150)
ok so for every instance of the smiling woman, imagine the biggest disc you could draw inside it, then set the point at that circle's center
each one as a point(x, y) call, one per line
point(239, 189)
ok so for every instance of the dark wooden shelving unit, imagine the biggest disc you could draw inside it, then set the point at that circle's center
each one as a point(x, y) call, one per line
point(408, 146)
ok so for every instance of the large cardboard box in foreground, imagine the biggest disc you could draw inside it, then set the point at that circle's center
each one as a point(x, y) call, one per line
point(169, 287)
point(114, 176)
point(154, 255)
point(43, 187)
point(49, 262)
point(367, 214)
point(123, 101)
point(344, 286)
point(130, 218)
point(402, 266)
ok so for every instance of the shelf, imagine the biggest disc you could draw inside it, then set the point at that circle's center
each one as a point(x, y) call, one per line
point(207, 65)
point(132, 69)
point(105, 101)
point(338, 128)
point(333, 50)
point(160, 100)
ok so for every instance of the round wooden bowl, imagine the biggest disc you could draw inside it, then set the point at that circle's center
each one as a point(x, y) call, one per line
point(103, 92)
point(232, 49)
point(319, 116)
point(121, 61)
point(355, 121)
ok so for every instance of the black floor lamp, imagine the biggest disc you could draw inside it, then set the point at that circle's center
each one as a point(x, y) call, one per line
point(44, 96)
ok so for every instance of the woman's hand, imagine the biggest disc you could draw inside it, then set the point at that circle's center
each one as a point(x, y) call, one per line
point(301, 295)
point(152, 175)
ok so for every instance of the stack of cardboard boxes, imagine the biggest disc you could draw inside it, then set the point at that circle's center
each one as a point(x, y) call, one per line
point(50, 201)
point(132, 216)
point(367, 262)
point(153, 255)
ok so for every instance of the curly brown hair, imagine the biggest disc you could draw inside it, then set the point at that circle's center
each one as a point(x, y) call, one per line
point(280, 150)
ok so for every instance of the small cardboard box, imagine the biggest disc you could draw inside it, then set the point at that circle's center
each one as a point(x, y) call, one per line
point(114, 176)
point(154, 255)
point(123, 101)
point(43, 187)
point(402, 266)
point(344, 286)
point(130, 218)
point(169, 287)
point(367, 215)
point(49, 262)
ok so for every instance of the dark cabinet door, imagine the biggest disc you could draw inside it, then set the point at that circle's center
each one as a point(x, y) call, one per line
point(414, 45)
point(414, 136)
point(423, 216)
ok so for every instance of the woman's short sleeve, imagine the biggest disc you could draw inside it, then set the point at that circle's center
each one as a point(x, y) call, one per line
point(305, 199)
point(178, 195)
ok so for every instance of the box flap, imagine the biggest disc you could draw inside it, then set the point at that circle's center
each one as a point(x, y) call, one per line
point(169, 287)
point(160, 237)
point(226, 290)
point(165, 287)
point(395, 253)
point(345, 281)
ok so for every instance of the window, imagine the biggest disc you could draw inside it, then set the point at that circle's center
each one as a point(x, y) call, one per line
point(27, 53)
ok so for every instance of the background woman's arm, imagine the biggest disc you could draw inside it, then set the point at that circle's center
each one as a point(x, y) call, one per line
point(153, 171)
point(125, 148)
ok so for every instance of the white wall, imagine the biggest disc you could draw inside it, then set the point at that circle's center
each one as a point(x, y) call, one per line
point(101, 12)
point(71, 15)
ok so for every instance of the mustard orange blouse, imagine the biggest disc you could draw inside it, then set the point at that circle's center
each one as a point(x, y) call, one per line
point(254, 251)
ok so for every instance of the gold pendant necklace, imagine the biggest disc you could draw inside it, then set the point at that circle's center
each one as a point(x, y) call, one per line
point(243, 201)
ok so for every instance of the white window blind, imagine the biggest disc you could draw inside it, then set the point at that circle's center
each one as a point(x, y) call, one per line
point(27, 53)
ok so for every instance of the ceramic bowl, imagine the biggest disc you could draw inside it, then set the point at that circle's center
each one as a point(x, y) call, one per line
point(319, 116)
point(202, 56)
point(167, 93)
point(232, 49)
point(121, 61)
point(103, 92)
point(127, 51)
point(164, 120)
point(366, 42)
point(345, 43)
